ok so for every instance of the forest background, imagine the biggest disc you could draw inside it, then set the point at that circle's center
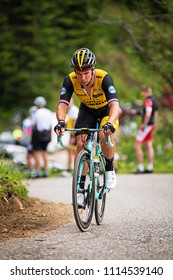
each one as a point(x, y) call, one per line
point(132, 40)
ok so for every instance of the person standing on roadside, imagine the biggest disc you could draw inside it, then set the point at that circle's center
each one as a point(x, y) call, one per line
point(28, 135)
point(18, 135)
point(41, 135)
point(72, 114)
point(145, 132)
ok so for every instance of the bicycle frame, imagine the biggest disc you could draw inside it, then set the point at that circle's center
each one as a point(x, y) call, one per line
point(90, 144)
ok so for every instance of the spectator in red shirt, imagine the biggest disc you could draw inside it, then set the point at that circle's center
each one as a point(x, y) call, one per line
point(145, 132)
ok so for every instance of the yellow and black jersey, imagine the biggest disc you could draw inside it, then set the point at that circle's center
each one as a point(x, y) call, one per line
point(102, 93)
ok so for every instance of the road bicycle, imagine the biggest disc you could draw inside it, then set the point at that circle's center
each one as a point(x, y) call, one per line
point(90, 164)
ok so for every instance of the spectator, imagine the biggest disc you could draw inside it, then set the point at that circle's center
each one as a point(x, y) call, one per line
point(41, 135)
point(28, 135)
point(18, 135)
point(145, 132)
point(71, 119)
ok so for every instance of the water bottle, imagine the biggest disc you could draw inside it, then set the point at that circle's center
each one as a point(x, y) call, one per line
point(96, 166)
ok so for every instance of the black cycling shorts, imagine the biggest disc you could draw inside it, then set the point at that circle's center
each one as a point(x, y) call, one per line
point(87, 117)
point(38, 145)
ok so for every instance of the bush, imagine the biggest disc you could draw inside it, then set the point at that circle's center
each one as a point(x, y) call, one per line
point(11, 180)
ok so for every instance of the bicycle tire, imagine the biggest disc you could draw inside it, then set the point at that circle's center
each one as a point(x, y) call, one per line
point(83, 215)
point(100, 202)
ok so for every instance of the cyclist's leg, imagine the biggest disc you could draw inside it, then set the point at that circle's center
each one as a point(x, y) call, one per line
point(109, 153)
point(80, 139)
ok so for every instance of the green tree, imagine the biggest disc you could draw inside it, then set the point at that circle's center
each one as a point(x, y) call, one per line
point(37, 40)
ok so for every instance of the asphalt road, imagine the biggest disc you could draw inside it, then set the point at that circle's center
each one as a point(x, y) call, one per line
point(138, 224)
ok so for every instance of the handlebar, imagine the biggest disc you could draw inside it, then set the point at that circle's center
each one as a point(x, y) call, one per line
point(87, 131)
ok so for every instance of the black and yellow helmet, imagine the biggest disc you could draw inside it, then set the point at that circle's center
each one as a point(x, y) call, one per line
point(82, 59)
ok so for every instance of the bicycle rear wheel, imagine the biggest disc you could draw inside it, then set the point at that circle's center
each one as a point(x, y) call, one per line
point(83, 214)
point(100, 195)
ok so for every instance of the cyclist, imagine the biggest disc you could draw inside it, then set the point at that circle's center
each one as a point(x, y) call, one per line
point(96, 91)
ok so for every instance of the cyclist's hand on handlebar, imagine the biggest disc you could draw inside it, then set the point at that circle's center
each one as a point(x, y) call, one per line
point(60, 127)
point(108, 127)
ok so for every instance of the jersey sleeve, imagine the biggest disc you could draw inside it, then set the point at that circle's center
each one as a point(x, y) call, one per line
point(109, 89)
point(148, 103)
point(66, 91)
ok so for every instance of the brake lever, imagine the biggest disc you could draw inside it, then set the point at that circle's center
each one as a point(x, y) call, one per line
point(105, 134)
point(108, 139)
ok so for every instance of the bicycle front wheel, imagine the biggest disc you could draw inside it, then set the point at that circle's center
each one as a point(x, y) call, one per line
point(83, 213)
point(100, 195)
